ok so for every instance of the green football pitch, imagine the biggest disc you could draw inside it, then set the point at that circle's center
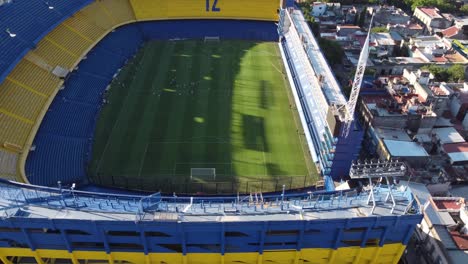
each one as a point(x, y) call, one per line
point(192, 116)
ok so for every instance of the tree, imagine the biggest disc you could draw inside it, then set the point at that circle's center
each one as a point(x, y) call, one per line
point(440, 74)
point(356, 20)
point(443, 5)
point(332, 50)
point(456, 73)
point(362, 17)
point(315, 27)
point(379, 30)
point(464, 9)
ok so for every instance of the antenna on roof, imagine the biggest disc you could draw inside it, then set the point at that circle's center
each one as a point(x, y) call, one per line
point(11, 34)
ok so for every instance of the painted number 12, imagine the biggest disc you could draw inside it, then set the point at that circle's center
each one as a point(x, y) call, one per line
point(213, 8)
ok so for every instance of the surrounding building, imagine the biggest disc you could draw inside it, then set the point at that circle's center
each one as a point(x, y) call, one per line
point(431, 18)
point(443, 234)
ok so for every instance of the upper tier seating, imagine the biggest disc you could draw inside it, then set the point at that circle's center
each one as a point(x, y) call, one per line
point(23, 23)
point(223, 9)
point(64, 140)
point(36, 36)
point(31, 85)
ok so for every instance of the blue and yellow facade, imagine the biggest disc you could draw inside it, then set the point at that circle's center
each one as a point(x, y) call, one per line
point(373, 240)
point(43, 225)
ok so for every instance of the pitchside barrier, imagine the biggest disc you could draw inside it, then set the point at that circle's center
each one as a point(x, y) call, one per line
point(169, 184)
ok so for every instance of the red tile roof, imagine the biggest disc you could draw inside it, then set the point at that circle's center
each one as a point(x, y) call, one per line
point(414, 26)
point(439, 59)
point(450, 32)
point(460, 240)
point(431, 12)
point(456, 147)
point(448, 204)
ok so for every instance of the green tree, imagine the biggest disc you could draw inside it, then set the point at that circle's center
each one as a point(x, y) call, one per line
point(464, 9)
point(315, 27)
point(379, 30)
point(440, 74)
point(443, 5)
point(456, 73)
point(362, 17)
point(356, 20)
point(332, 50)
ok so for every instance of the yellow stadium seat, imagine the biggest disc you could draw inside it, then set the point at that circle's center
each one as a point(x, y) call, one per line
point(219, 9)
point(80, 24)
point(20, 101)
point(8, 162)
point(70, 40)
point(54, 55)
point(94, 12)
point(14, 131)
point(120, 10)
point(31, 75)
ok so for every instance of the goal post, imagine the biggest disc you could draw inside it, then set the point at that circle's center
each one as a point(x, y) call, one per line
point(203, 173)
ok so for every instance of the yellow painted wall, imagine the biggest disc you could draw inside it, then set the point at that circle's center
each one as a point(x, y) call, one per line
point(228, 9)
point(389, 253)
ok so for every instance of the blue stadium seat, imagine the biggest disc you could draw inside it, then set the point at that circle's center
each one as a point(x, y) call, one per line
point(73, 87)
point(124, 40)
point(23, 23)
point(61, 160)
point(64, 140)
point(69, 118)
point(93, 64)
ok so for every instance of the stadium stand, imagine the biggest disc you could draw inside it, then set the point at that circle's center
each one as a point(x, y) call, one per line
point(62, 33)
point(8, 162)
point(14, 131)
point(40, 80)
point(64, 159)
point(26, 22)
point(120, 11)
point(241, 9)
point(21, 100)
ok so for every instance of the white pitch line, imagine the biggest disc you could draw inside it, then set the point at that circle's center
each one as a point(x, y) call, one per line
point(142, 161)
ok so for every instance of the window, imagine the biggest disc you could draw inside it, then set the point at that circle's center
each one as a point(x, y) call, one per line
point(156, 234)
point(282, 233)
point(172, 247)
point(75, 232)
point(7, 229)
point(235, 234)
point(123, 233)
point(131, 246)
point(93, 245)
point(355, 230)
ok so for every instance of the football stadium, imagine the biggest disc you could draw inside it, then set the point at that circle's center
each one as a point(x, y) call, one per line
point(183, 131)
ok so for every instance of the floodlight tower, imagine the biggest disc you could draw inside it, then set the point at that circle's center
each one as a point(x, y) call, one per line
point(358, 77)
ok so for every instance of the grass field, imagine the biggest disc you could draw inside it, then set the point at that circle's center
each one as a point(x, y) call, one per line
point(188, 104)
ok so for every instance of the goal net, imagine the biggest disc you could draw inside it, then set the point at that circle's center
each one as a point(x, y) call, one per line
point(211, 39)
point(203, 173)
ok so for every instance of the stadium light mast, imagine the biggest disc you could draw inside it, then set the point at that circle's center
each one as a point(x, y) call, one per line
point(356, 88)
